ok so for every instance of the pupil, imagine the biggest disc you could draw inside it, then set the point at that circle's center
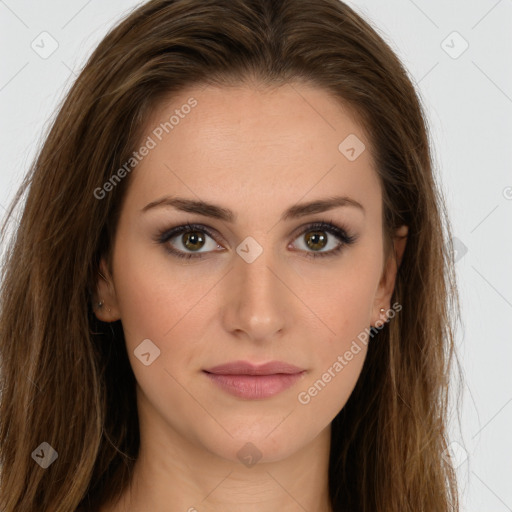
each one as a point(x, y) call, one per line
point(318, 240)
point(192, 239)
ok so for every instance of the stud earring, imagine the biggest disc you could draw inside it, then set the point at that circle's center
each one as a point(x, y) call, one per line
point(101, 304)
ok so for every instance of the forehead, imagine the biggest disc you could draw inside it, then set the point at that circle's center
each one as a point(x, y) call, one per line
point(247, 145)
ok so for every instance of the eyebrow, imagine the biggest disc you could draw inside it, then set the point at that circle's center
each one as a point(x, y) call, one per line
point(217, 212)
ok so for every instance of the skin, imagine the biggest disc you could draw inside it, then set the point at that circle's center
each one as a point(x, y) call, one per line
point(257, 152)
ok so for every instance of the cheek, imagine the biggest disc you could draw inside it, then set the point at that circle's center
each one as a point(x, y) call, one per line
point(343, 299)
point(160, 301)
point(343, 304)
point(339, 354)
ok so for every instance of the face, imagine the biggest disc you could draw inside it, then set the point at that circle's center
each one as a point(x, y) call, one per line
point(258, 277)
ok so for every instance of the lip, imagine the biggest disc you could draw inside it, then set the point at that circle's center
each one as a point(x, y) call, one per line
point(249, 381)
point(247, 368)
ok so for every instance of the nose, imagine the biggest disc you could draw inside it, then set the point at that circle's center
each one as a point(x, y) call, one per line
point(258, 303)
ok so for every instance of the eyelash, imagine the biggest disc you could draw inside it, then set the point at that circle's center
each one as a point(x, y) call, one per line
point(339, 232)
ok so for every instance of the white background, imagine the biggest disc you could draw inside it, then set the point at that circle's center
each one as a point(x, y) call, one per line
point(469, 105)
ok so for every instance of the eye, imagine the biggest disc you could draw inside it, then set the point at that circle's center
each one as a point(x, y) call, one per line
point(319, 239)
point(324, 235)
point(188, 237)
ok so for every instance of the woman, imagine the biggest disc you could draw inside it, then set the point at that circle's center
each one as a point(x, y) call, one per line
point(230, 287)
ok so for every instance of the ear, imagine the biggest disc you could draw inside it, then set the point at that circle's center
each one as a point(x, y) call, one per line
point(105, 293)
point(387, 282)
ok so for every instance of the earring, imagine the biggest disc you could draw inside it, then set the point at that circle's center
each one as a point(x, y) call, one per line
point(383, 311)
point(100, 305)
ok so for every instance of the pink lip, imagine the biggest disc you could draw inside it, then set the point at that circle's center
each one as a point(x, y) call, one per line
point(246, 368)
point(245, 380)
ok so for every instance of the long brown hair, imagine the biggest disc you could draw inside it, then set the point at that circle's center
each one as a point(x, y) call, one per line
point(65, 376)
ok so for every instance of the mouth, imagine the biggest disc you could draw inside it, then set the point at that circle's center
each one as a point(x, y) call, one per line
point(252, 382)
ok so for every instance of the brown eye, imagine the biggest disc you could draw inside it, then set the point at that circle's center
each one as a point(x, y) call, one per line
point(193, 240)
point(316, 240)
point(188, 241)
point(322, 239)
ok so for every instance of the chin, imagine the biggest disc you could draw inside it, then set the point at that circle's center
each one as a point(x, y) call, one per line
point(250, 445)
